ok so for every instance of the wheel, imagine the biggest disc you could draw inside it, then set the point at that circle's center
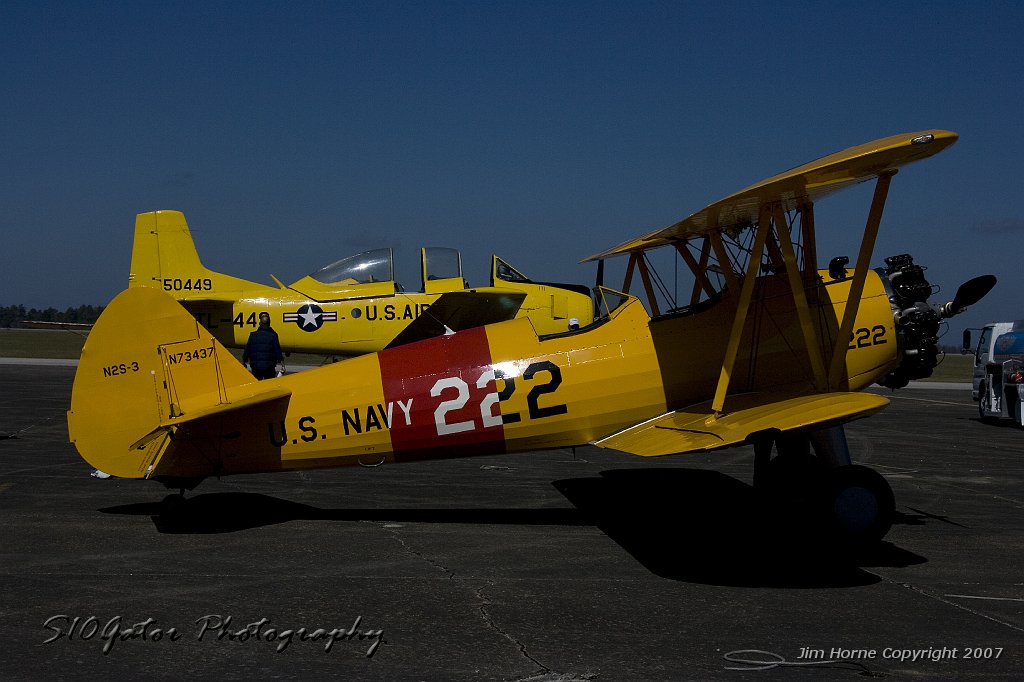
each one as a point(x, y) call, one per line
point(173, 505)
point(984, 404)
point(858, 504)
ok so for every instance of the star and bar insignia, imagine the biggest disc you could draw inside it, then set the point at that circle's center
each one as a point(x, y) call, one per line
point(311, 317)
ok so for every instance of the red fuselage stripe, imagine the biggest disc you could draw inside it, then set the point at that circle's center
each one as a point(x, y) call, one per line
point(453, 397)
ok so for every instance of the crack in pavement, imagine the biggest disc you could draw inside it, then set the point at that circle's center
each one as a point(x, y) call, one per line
point(419, 555)
point(925, 593)
point(484, 602)
point(544, 673)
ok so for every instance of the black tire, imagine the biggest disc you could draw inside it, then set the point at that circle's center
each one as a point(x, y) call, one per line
point(1016, 410)
point(173, 505)
point(858, 504)
point(984, 404)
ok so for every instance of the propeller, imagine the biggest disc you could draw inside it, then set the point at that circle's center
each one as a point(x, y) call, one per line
point(969, 293)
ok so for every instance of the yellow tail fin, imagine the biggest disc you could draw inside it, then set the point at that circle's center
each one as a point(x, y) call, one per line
point(164, 257)
point(148, 367)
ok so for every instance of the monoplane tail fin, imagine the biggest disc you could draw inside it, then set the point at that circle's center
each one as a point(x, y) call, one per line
point(164, 257)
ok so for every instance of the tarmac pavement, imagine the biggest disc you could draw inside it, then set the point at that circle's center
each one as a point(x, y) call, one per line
point(555, 565)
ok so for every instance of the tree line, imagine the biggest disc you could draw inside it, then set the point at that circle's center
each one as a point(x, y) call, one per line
point(11, 315)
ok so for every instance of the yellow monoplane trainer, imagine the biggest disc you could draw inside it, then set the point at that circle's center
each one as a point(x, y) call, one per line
point(351, 306)
point(769, 351)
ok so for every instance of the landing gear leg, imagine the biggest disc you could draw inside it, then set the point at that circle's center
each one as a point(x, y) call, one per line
point(831, 446)
point(762, 462)
point(175, 504)
point(852, 504)
point(794, 471)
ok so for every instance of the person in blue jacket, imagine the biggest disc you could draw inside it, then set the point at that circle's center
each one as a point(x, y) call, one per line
point(263, 351)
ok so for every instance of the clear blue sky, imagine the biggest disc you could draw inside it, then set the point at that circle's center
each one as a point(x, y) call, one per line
point(542, 131)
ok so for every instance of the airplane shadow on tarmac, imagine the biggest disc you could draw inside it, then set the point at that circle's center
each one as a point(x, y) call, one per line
point(703, 526)
point(690, 525)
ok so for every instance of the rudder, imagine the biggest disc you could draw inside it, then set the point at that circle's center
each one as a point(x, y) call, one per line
point(164, 257)
point(145, 362)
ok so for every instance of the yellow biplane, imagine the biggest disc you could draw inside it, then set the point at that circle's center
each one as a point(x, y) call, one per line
point(770, 351)
point(351, 306)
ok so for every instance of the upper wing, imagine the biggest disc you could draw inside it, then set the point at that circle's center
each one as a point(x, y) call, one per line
point(458, 310)
point(803, 184)
point(695, 428)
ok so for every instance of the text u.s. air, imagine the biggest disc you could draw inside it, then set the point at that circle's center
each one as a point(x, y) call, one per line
point(769, 351)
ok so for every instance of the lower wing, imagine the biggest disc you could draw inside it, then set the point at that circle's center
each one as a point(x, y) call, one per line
point(697, 428)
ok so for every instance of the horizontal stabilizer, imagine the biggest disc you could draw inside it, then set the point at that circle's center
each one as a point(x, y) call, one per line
point(155, 442)
point(460, 310)
point(222, 408)
point(696, 428)
point(65, 326)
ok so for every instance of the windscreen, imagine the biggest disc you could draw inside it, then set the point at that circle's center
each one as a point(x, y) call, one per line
point(507, 273)
point(609, 300)
point(442, 263)
point(369, 266)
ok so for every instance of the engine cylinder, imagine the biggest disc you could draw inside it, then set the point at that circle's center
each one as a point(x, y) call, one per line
point(917, 323)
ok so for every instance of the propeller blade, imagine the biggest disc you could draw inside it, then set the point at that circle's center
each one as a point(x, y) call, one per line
point(972, 291)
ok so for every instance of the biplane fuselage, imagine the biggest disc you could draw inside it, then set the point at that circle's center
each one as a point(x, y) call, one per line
point(771, 352)
point(499, 388)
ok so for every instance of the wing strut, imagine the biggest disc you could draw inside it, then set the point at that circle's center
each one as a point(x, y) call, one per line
point(753, 264)
point(723, 260)
point(645, 275)
point(867, 245)
point(628, 281)
point(810, 249)
point(796, 284)
point(699, 269)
